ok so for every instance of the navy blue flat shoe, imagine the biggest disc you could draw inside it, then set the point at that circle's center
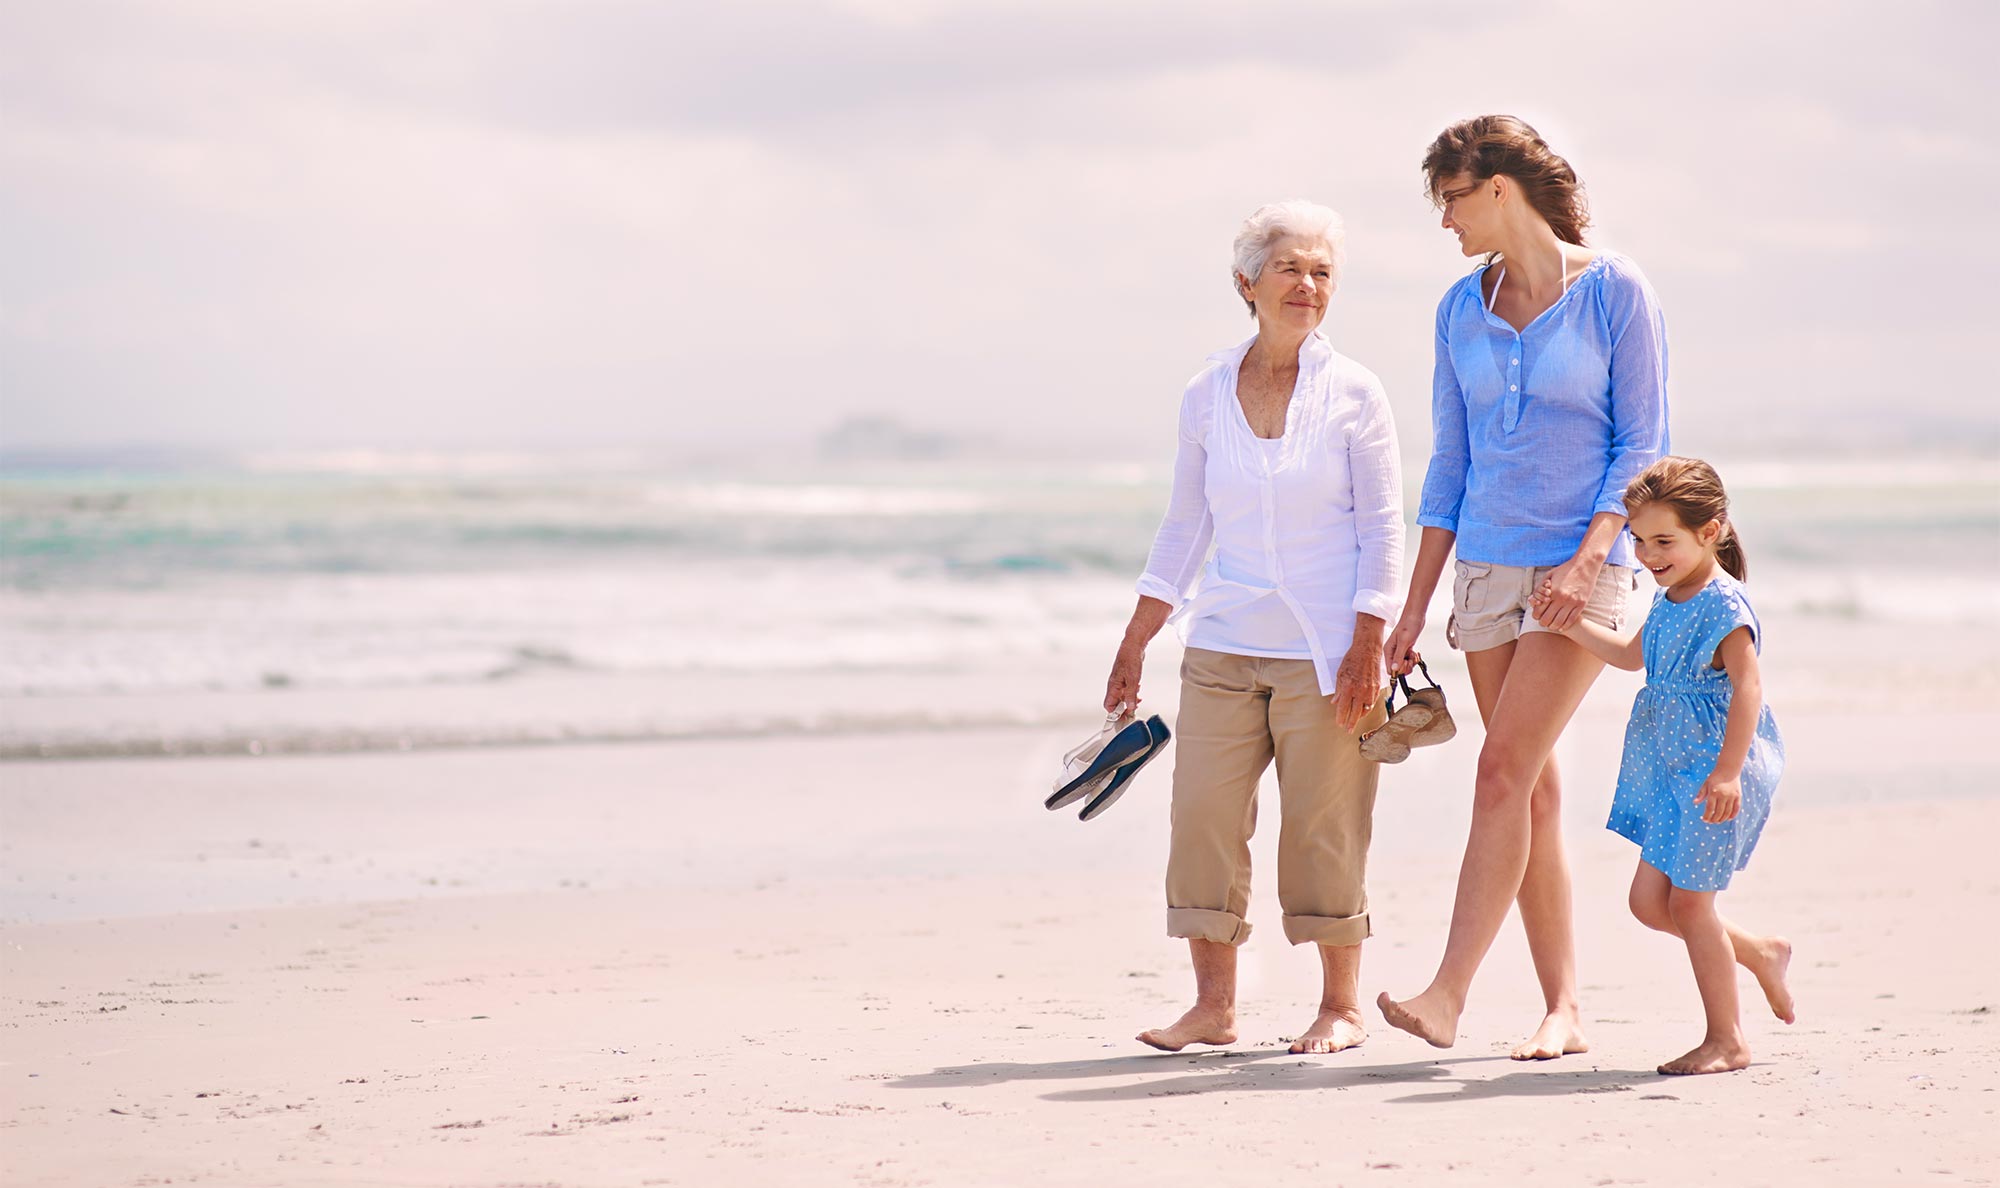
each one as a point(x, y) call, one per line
point(1158, 736)
point(1128, 744)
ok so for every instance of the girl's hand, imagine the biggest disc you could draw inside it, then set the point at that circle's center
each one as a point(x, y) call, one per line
point(1541, 599)
point(1123, 685)
point(1401, 647)
point(1568, 586)
point(1357, 684)
point(1721, 799)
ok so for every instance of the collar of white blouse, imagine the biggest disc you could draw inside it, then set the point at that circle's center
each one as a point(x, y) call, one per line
point(1315, 349)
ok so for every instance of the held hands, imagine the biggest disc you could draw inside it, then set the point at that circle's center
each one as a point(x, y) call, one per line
point(1541, 600)
point(1123, 685)
point(1559, 601)
point(1721, 799)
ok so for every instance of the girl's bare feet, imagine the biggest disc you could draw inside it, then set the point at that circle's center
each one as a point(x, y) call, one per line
point(1561, 1034)
point(1772, 958)
point(1726, 1054)
point(1426, 1016)
point(1201, 1025)
point(1336, 1029)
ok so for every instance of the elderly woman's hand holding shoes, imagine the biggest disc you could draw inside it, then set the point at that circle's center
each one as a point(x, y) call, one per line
point(1281, 555)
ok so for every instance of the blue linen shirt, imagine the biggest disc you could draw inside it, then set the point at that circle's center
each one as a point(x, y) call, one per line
point(1534, 433)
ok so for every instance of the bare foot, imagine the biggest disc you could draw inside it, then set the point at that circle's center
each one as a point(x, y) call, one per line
point(1713, 1056)
point(1336, 1029)
point(1774, 957)
point(1434, 1022)
point(1559, 1035)
point(1201, 1025)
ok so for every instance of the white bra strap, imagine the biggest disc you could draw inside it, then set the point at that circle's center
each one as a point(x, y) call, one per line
point(1497, 282)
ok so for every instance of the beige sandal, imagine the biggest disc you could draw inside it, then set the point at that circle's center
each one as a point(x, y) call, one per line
point(1421, 721)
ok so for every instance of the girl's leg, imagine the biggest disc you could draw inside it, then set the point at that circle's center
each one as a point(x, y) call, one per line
point(1544, 682)
point(1723, 1048)
point(1767, 957)
point(1212, 1019)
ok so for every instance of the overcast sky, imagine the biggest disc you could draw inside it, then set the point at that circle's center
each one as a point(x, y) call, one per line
point(483, 223)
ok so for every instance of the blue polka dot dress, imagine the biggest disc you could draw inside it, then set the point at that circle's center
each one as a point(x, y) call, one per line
point(1675, 735)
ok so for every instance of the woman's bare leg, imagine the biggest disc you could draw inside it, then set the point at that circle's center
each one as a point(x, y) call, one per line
point(1547, 918)
point(1212, 1018)
point(1544, 682)
point(1338, 1025)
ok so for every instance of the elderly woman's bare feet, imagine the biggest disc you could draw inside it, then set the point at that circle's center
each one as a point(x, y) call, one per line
point(1560, 1034)
point(1725, 1054)
point(1336, 1029)
point(1427, 1016)
point(1201, 1025)
point(1772, 958)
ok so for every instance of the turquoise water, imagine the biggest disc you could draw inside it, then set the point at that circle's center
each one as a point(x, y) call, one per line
point(237, 574)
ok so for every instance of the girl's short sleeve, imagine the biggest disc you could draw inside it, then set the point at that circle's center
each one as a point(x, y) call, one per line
point(1727, 610)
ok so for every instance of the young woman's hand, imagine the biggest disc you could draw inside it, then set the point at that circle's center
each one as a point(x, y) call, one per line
point(1567, 588)
point(1400, 649)
point(1720, 799)
point(1123, 685)
point(1540, 601)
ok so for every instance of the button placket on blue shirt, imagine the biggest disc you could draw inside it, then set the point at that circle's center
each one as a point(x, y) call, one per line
point(1515, 374)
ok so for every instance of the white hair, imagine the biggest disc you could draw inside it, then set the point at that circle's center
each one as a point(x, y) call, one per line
point(1279, 220)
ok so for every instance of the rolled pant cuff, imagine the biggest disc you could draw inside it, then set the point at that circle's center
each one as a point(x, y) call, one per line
point(1202, 924)
point(1328, 930)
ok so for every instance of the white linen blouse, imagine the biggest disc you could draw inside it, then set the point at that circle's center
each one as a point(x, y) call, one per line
point(1307, 528)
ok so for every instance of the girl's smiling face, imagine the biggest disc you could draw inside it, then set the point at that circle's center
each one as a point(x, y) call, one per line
point(1678, 557)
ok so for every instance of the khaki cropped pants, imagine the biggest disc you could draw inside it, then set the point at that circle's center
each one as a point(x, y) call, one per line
point(1237, 714)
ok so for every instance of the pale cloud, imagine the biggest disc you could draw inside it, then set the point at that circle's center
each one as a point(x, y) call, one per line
point(481, 223)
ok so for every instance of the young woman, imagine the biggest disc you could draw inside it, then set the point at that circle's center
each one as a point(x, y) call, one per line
point(1549, 397)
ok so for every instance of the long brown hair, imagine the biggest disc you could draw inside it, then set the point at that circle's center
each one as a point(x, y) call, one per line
point(1493, 145)
point(1694, 491)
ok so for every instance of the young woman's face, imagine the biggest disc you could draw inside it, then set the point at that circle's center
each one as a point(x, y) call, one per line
point(1471, 210)
point(1297, 282)
point(1673, 553)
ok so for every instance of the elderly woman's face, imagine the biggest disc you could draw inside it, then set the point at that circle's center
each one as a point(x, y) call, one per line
point(1295, 285)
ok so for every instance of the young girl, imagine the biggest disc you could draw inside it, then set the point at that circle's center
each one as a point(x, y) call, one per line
point(1702, 751)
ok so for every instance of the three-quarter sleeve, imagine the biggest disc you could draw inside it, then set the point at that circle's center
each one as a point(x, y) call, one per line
point(1451, 443)
point(1180, 547)
point(1376, 467)
point(1638, 330)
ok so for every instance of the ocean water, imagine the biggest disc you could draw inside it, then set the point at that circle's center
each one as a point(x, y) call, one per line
point(373, 572)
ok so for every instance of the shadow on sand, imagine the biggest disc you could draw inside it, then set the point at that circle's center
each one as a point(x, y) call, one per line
point(1181, 1074)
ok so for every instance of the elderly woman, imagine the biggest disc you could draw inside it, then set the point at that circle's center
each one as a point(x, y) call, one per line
point(1288, 467)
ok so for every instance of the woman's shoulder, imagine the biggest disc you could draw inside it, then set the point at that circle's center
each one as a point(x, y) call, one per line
point(1346, 372)
point(1618, 272)
point(1465, 287)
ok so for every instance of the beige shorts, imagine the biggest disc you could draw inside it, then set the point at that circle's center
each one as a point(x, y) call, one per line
point(1489, 603)
point(1238, 714)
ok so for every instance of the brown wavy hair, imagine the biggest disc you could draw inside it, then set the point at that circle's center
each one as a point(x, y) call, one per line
point(1694, 491)
point(1495, 145)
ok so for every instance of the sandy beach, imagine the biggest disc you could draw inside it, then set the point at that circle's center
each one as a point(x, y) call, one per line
point(873, 959)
